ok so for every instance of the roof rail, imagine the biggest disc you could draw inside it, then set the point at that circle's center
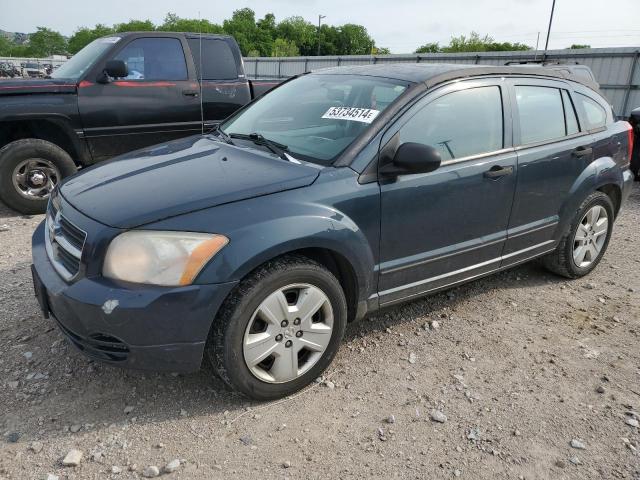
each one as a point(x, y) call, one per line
point(539, 62)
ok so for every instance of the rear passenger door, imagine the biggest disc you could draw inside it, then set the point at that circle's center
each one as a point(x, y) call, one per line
point(158, 101)
point(224, 85)
point(552, 151)
point(449, 225)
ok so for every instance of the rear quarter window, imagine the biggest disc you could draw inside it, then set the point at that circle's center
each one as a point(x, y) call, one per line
point(595, 116)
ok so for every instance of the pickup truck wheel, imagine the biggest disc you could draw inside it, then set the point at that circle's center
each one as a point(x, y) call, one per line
point(583, 245)
point(279, 329)
point(29, 171)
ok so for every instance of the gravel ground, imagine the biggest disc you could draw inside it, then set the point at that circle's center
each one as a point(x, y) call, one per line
point(500, 378)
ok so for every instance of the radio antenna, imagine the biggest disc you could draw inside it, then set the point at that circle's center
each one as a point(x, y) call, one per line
point(200, 71)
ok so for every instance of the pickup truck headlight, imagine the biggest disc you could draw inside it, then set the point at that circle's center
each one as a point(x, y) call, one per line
point(160, 258)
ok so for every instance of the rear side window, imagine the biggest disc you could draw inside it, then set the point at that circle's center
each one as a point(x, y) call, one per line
point(569, 113)
point(459, 124)
point(541, 113)
point(595, 115)
point(218, 62)
point(154, 59)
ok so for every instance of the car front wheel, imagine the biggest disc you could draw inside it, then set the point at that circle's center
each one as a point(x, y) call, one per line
point(279, 329)
point(29, 171)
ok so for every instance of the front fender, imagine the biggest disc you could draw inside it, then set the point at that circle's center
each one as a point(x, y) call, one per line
point(311, 226)
point(602, 171)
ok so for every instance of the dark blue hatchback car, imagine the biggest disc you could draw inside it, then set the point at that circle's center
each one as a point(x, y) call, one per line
point(338, 193)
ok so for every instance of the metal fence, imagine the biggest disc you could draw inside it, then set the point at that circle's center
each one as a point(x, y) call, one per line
point(616, 69)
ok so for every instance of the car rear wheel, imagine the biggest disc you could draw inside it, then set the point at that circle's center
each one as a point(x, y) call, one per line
point(585, 242)
point(279, 329)
point(29, 171)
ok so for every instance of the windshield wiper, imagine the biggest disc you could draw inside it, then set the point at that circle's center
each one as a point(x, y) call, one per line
point(221, 134)
point(257, 138)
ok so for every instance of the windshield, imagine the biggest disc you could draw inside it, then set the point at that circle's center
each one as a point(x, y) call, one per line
point(77, 65)
point(317, 116)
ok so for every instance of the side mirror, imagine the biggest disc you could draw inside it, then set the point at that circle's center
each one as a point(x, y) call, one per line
point(114, 69)
point(411, 158)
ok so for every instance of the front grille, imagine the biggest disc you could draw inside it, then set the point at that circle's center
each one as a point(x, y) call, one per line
point(64, 243)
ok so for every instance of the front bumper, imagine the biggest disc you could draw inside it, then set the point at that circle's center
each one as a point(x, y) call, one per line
point(137, 326)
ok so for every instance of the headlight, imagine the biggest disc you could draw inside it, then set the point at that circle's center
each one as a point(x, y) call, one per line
point(160, 258)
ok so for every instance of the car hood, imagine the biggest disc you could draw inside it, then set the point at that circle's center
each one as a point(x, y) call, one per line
point(179, 177)
point(37, 85)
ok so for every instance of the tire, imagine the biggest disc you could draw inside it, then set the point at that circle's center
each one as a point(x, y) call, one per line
point(561, 261)
point(239, 315)
point(26, 157)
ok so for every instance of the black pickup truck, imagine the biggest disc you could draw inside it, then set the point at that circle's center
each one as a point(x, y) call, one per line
point(118, 94)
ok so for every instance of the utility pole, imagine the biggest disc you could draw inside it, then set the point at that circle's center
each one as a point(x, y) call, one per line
point(546, 44)
point(320, 17)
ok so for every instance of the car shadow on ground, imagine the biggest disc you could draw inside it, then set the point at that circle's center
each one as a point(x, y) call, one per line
point(440, 305)
point(6, 212)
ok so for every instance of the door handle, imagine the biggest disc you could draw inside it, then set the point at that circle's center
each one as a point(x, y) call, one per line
point(582, 152)
point(498, 171)
point(190, 93)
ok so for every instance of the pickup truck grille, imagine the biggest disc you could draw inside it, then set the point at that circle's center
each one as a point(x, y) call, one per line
point(64, 242)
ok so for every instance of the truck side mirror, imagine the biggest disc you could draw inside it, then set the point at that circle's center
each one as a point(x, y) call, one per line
point(113, 69)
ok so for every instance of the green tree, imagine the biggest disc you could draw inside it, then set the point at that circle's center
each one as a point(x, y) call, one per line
point(265, 35)
point(354, 40)
point(284, 48)
point(242, 25)
point(472, 43)
point(46, 42)
point(302, 33)
point(578, 46)
point(84, 36)
point(433, 47)
point(173, 23)
point(507, 47)
point(5, 46)
point(380, 51)
point(135, 26)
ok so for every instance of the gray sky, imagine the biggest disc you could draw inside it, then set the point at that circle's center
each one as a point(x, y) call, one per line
point(401, 25)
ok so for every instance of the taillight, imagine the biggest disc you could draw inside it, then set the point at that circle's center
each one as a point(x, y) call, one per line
point(630, 133)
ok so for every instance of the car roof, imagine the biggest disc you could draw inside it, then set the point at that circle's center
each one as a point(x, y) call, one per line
point(434, 73)
point(163, 33)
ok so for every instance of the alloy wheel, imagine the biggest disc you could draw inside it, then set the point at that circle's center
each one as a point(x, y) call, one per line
point(590, 236)
point(288, 333)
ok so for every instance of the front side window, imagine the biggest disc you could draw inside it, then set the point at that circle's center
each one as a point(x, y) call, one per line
point(317, 116)
point(541, 113)
point(154, 59)
point(459, 124)
point(595, 115)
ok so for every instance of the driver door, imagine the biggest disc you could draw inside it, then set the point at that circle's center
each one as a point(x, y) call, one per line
point(158, 101)
point(449, 225)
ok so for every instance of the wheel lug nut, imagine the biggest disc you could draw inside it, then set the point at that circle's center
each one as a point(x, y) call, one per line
point(279, 337)
point(296, 321)
point(288, 343)
point(284, 323)
point(299, 333)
